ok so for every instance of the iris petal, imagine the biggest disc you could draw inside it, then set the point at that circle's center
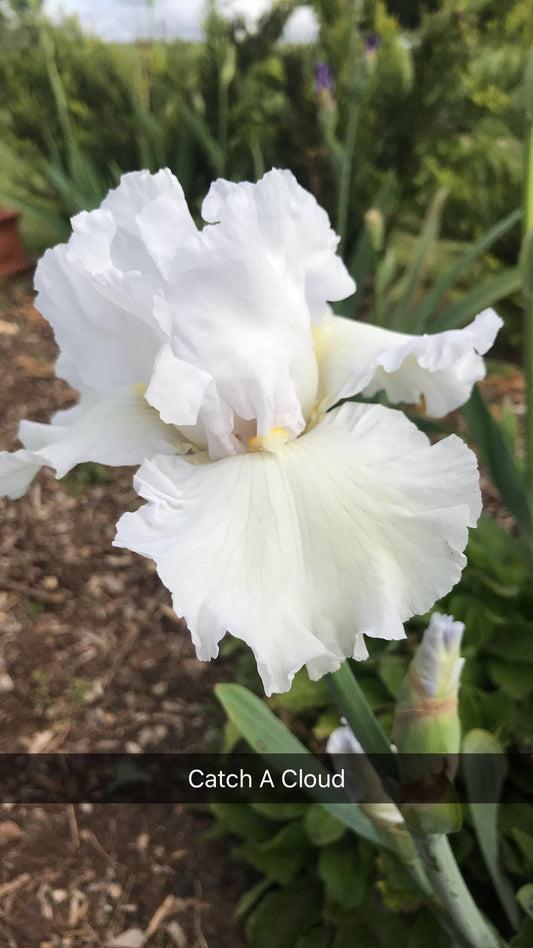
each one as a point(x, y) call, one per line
point(358, 358)
point(347, 531)
point(245, 291)
point(117, 428)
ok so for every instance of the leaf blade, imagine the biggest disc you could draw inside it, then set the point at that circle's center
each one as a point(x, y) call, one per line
point(479, 775)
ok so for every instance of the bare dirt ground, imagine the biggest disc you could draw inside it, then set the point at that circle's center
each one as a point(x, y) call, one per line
point(92, 659)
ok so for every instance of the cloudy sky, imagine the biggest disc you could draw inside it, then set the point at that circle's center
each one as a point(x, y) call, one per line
point(124, 20)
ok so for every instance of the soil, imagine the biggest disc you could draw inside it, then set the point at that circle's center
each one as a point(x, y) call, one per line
point(93, 659)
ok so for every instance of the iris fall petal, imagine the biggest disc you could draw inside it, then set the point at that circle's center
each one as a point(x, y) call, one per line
point(351, 528)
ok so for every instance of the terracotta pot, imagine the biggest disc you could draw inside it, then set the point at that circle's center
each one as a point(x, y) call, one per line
point(12, 257)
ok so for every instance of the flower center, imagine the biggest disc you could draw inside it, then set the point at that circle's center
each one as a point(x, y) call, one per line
point(271, 443)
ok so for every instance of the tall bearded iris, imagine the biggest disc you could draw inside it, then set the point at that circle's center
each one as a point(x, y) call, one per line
point(212, 357)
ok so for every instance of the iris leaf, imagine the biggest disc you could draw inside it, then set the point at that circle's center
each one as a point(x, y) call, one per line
point(268, 736)
point(495, 454)
point(486, 294)
point(481, 773)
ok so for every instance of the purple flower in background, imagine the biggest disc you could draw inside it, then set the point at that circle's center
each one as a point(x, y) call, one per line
point(323, 78)
point(372, 44)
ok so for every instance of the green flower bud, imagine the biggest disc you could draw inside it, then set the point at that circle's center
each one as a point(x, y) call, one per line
point(426, 719)
point(375, 225)
point(427, 730)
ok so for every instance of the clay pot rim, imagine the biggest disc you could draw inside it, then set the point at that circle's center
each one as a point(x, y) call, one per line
point(8, 214)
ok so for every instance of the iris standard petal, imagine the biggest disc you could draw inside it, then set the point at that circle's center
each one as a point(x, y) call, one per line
point(150, 210)
point(187, 397)
point(103, 344)
point(97, 291)
point(244, 293)
point(294, 228)
point(347, 531)
point(358, 358)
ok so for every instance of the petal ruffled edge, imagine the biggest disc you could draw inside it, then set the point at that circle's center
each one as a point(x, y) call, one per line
point(17, 470)
point(346, 532)
point(358, 358)
point(117, 429)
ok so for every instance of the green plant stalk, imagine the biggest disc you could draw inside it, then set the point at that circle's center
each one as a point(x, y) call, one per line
point(223, 121)
point(528, 314)
point(470, 927)
point(346, 170)
point(354, 706)
point(421, 880)
point(357, 711)
point(528, 193)
point(528, 371)
point(346, 158)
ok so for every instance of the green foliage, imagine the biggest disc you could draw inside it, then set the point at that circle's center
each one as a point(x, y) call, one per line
point(470, 64)
point(296, 909)
point(501, 464)
point(309, 845)
point(495, 601)
point(322, 827)
point(89, 472)
point(281, 857)
point(436, 109)
point(524, 936)
point(490, 771)
point(303, 694)
point(346, 873)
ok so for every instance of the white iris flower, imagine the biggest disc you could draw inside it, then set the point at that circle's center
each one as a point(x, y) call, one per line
point(212, 359)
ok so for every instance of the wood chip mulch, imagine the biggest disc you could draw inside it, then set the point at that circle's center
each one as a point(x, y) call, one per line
point(93, 659)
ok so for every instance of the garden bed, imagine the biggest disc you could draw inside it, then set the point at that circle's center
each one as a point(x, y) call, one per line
point(93, 659)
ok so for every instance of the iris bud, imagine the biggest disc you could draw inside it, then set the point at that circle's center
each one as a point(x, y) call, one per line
point(426, 728)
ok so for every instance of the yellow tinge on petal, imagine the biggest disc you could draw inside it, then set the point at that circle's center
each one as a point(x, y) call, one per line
point(272, 443)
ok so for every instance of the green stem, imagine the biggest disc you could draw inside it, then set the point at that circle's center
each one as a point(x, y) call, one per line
point(528, 190)
point(470, 926)
point(527, 264)
point(420, 878)
point(346, 170)
point(528, 373)
point(355, 89)
point(355, 708)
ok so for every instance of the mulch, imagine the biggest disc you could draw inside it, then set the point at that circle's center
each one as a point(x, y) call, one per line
point(93, 659)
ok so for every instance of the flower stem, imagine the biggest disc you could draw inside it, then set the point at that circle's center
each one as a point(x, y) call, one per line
point(420, 878)
point(527, 265)
point(355, 90)
point(353, 705)
point(471, 928)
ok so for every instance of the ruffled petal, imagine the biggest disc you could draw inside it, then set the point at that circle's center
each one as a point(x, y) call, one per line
point(357, 358)
point(17, 470)
point(344, 532)
point(152, 219)
point(103, 344)
point(97, 291)
point(244, 293)
point(186, 396)
point(118, 428)
point(293, 227)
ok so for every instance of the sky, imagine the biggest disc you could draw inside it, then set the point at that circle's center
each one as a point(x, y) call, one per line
point(125, 20)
